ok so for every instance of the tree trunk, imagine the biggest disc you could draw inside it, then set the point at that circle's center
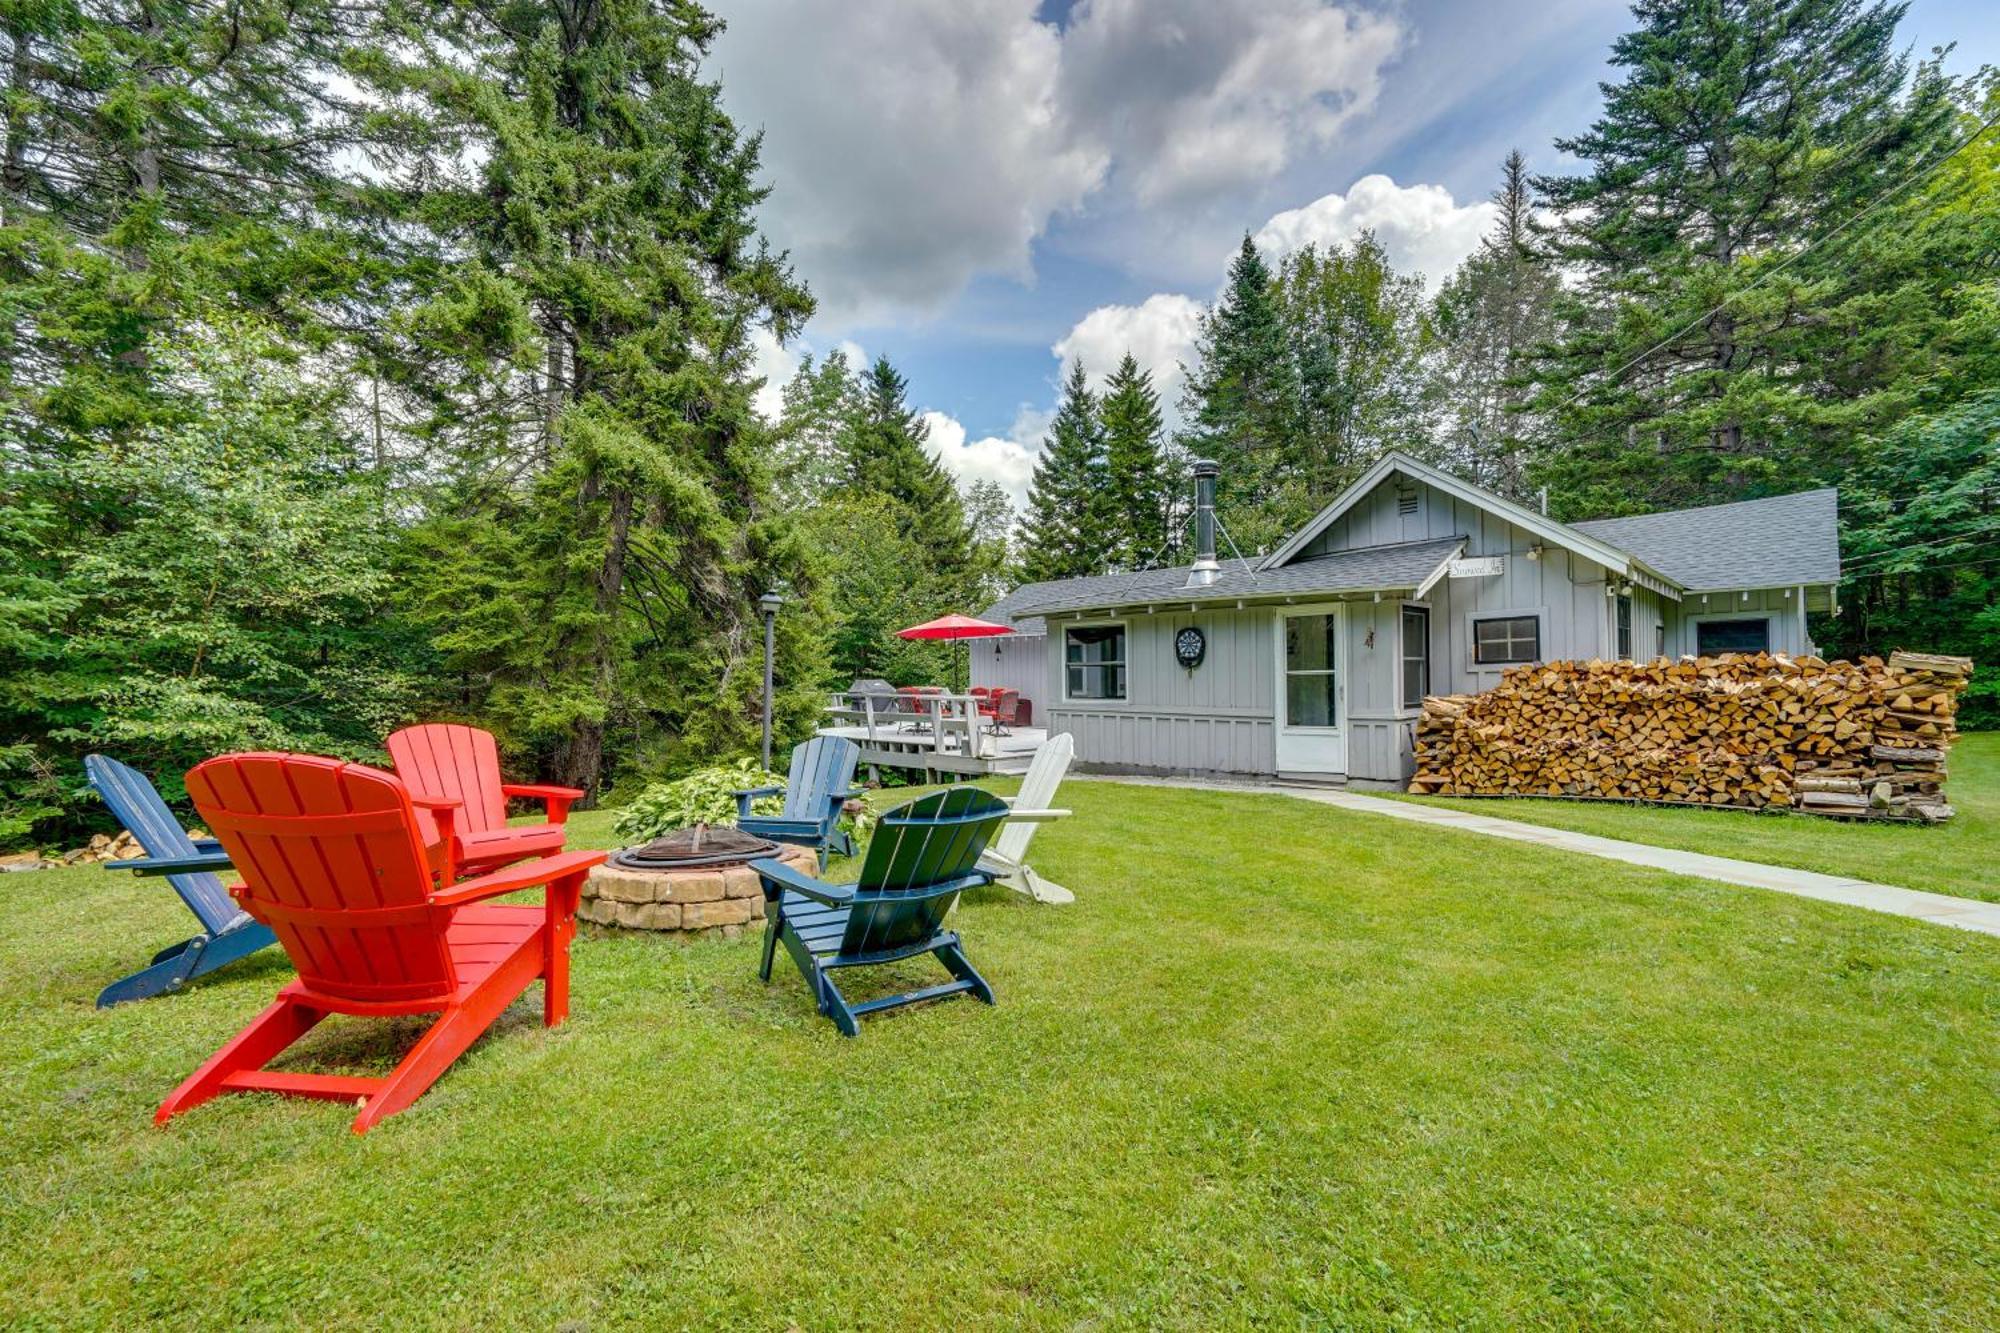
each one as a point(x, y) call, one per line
point(583, 757)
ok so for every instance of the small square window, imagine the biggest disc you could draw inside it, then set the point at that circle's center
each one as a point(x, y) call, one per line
point(1506, 640)
point(1094, 662)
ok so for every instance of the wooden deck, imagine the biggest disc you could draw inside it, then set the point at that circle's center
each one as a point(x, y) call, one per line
point(934, 745)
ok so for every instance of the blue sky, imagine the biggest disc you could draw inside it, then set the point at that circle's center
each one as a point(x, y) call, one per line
point(984, 190)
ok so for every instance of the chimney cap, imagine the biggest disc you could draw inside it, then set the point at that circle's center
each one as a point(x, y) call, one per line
point(1206, 467)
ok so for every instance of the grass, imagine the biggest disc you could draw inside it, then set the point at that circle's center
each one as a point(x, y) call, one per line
point(1960, 858)
point(1279, 1065)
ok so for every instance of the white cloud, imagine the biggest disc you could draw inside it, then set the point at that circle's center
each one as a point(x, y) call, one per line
point(1421, 227)
point(917, 144)
point(913, 143)
point(1009, 461)
point(777, 364)
point(1159, 332)
point(1198, 98)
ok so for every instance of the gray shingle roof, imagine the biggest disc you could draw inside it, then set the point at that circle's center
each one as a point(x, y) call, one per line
point(1772, 543)
point(1367, 569)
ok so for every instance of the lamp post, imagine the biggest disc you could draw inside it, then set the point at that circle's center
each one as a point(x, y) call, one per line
point(769, 604)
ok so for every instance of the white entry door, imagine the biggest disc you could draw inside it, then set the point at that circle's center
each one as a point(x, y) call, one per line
point(1312, 690)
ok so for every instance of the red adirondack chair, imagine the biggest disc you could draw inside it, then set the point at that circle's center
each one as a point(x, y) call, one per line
point(333, 861)
point(444, 761)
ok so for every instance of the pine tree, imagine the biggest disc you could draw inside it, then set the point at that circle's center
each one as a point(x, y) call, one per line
point(1242, 398)
point(594, 277)
point(1065, 533)
point(1487, 321)
point(1135, 473)
point(885, 445)
point(818, 402)
point(1742, 132)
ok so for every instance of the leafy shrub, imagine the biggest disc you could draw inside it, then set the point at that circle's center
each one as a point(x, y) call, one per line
point(705, 796)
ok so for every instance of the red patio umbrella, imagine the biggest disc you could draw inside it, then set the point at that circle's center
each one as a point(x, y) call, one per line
point(954, 627)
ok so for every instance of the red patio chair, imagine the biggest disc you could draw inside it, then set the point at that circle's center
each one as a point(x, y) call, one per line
point(448, 762)
point(334, 863)
point(1006, 710)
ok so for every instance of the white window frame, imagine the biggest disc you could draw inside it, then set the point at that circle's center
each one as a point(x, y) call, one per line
point(1062, 661)
point(1628, 651)
point(1472, 619)
point(1770, 619)
point(1402, 658)
point(1282, 709)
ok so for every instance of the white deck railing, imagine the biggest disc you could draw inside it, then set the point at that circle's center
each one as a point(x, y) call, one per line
point(950, 722)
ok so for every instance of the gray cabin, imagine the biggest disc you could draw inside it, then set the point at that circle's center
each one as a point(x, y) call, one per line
point(1311, 662)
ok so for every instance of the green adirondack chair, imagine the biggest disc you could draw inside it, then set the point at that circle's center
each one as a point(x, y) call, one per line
point(922, 856)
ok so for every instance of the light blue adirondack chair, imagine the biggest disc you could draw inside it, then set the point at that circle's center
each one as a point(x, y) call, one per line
point(228, 932)
point(921, 857)
point(820, 783)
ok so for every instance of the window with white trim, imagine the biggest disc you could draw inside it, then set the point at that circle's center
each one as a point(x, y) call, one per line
point(1312, 682)
point(1506, 640)
point(1748, 635)
point(1624, 628)
point(1094, 661)
point(1416, 643)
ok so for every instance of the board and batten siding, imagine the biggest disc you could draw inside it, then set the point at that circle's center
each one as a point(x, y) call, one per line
point(1780, 606)
point(1380, 731)
point(1565, 591)
point(1216, 718)
point(1014, 662)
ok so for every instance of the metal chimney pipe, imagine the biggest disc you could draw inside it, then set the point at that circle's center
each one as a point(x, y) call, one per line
point(1206, 567)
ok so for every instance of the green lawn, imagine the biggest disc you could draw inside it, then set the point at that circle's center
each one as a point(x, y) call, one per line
point(1280, 1065)
point(1961, 858)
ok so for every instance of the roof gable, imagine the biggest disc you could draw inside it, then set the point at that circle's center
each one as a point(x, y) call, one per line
point(1394, 462)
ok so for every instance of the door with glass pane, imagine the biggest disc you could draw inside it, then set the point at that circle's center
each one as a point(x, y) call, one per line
point(1312, 695)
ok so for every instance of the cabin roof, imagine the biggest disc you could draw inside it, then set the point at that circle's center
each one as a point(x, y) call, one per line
point(1399, 566)
point(1779, 541)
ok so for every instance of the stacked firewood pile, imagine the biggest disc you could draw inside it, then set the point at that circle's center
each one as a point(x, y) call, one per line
point(1862, 740)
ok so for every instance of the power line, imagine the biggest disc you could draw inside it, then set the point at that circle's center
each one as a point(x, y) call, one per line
point(1899, 573)
point(1787, 262)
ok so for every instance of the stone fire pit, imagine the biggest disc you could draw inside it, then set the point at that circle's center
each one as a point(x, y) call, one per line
point(691, 881)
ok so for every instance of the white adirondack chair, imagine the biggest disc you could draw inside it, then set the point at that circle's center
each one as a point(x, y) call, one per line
point(1007, 855)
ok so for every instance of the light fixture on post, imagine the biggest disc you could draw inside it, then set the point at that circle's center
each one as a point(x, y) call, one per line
point(769, 604)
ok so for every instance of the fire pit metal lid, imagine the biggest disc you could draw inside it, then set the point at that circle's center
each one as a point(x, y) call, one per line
point(696, 848)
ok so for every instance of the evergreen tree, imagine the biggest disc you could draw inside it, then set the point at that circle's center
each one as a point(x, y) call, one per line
point(1135, 472)
point(1066, 532)
point(1356, 332)
point(991, 513)
point(1742, 132)
point(1487, 321)
point(818, 402)
point(596, 267)
point(885, 445)
point(1242, 398)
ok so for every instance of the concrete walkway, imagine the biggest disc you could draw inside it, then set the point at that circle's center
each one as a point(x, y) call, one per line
point(1964, 913)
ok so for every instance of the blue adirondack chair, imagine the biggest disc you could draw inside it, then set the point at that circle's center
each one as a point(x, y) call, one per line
point(923, 855)
point(821, 782)
point(228, 932)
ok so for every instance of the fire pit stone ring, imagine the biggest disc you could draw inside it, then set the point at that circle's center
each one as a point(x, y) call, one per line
point(693, 881)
